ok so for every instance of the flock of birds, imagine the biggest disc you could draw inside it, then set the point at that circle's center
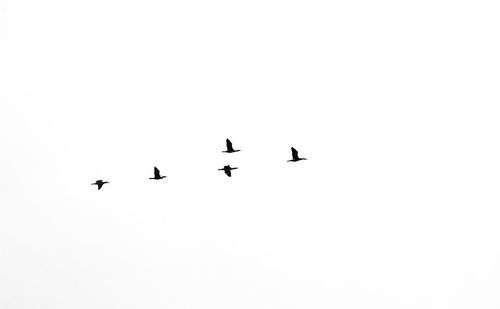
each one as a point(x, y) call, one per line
point(227, 168)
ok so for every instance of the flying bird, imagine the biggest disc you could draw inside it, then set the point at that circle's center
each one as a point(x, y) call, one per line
point(295, 156)
point(227, 169)
point(229, 146)
point(157, 175)
point(99, 183)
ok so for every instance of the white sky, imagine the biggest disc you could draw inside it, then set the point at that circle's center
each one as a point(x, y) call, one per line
point(394, 103)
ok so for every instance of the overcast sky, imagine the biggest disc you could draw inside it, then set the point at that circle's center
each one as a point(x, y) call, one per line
point(394, 103)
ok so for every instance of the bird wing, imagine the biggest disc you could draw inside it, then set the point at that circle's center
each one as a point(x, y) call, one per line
point(228, 172)
point(99, 186)
point(229, 145)
point(295, 154)
point(157, 172)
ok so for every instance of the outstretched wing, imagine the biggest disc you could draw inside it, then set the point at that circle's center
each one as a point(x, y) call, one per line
point(229, 145)
point(157, 172)
point(295, 154)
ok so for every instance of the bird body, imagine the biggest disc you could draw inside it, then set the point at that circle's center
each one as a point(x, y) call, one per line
point(157, 175)
point(227, 169)
point(99, 183)
point(295, 156)
point(229, 147)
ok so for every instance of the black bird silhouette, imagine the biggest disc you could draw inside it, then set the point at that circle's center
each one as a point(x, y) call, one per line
point(227, 169)
point(295, 156)
point(99, 183)
point(157, 175)
point(229, 146)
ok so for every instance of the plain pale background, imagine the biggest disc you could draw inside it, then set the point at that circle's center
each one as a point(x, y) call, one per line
point(395, 103)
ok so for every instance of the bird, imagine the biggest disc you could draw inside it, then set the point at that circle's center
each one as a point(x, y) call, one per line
point(227, 169)
point(229, 146)
point(157, 175)
point(99, 183)
point(295, 156)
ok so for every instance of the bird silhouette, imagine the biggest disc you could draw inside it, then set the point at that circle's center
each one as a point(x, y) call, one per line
point(295, 156)
point(157, 175)
point(99, 183)
point(227, 169)
point(229, 146)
